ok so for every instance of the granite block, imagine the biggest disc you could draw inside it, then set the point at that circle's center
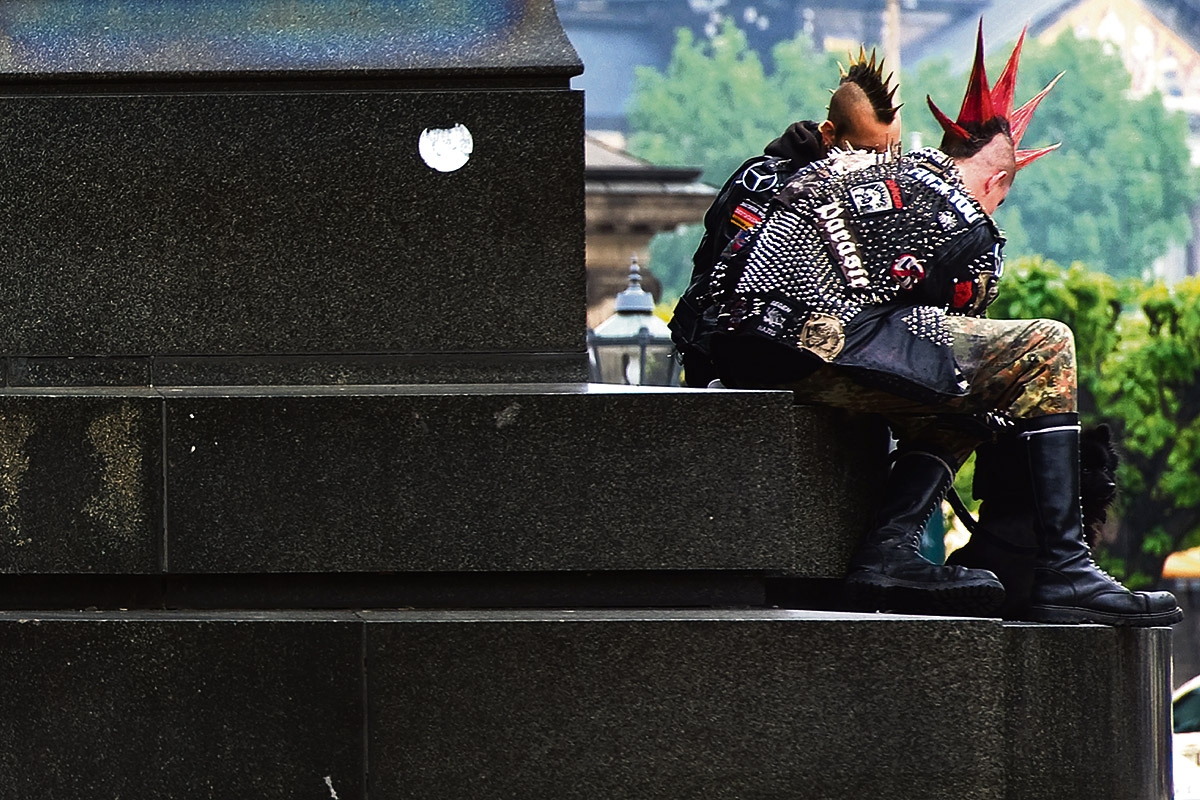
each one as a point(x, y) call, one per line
point(478, 478)
point(383, 369)
point(674, 704)
point(176, 705)
point(80, 481)
point(301, 223)
point(357, 590)
point(118, 41)
point(1088, 712)
point(79, 371)
point(840, 468)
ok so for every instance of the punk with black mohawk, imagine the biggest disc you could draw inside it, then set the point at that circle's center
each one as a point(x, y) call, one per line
point(862, 116)
point(867, 75)
point(862, 112)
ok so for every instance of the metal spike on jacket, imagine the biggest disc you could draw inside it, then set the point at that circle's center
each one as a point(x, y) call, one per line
point(857, 262)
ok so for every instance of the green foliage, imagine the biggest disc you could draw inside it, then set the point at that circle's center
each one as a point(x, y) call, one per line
point(671, 259)
point(1151, 386)
point(715, 106)
point(933, 78)
point(1117, 193)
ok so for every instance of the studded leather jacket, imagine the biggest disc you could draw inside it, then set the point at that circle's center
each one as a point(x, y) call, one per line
point(739, 206)
point(856, 263)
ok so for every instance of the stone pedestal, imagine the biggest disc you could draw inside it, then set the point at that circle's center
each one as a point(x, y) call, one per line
point(302, 494)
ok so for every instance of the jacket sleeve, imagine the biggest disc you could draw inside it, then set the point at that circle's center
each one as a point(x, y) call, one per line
point(965, 271)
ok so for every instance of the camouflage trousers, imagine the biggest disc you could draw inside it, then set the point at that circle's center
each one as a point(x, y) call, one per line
point(1017, 368)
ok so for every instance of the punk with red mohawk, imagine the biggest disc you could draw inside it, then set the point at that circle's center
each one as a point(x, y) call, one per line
point(865, 287)
point(988, 111)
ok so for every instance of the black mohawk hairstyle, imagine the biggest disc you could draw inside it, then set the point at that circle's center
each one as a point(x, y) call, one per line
point(868, 76)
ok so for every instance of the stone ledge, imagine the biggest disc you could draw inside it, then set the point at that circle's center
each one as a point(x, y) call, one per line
point(259, 223)
point(449, 478)
point(578, 704)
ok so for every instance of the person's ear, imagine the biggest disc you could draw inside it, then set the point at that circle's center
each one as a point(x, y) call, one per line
point(827, 133)
point(995, 180)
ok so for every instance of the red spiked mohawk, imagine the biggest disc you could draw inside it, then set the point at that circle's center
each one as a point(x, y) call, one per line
point(986, 112)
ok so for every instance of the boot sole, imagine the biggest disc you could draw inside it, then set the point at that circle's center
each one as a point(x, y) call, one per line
point(1069, 615)
point(873, 592)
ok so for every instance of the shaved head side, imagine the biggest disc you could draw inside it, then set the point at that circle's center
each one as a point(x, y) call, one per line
point(851, 98)
point(988, 173)
point(856, 122)
point(848, 105)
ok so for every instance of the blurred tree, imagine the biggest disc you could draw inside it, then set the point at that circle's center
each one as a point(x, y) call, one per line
point(1150, 388)
point(1117, 193)
point(714, 107)
point(671, 258)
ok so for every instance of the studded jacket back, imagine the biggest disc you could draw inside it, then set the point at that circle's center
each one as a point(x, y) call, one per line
point(856, 263)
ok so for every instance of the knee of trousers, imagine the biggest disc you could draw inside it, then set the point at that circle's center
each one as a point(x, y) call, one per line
point(1059, 348)
point(1049, 375)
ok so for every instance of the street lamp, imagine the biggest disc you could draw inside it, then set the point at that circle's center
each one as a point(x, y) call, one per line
point(633, 346)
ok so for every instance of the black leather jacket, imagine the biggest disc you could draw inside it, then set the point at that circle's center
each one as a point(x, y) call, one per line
point(739, 206)
point(856, 264)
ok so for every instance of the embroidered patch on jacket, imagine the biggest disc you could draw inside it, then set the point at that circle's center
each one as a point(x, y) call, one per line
point(876, 197)
point(842, 242)
point(823, 335)
point(964, 291)
point(739, 241)
point(959, 200)
point(759, 178)
point(746, 216)
point(773, 317)
point(908, 271)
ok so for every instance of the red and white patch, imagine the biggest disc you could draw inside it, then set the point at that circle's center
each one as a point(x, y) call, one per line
point(745, 218)
point(964, 293)
point(908, 271)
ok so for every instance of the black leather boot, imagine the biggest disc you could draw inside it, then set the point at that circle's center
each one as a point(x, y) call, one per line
point(1068, 587)
point(888, 573)
point(1003, 540)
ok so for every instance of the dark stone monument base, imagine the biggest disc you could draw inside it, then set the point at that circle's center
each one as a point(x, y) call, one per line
point(449, 478)
point(297, 370)
point(429, 590)
point(575, 704)
point(248, 222)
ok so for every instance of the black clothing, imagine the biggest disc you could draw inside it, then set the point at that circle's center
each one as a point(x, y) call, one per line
point(744, 197)
point(740, 204)
point(856, 264)
point(889, 572)
point(1068, 587)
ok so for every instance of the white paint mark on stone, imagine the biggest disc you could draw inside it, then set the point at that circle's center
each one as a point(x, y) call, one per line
point(507, 416)
point(329, 783)
point(446, 149)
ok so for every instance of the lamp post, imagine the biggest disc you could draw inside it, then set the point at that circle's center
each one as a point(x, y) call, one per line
point(633, 346)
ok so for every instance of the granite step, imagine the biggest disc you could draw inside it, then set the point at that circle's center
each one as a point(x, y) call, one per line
point(454, 479)
point(578, 704)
